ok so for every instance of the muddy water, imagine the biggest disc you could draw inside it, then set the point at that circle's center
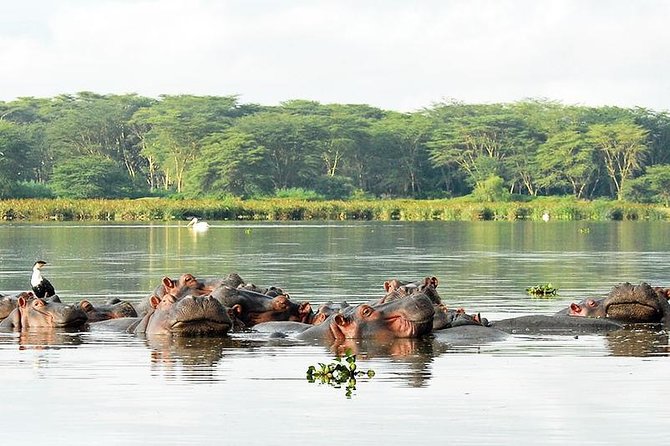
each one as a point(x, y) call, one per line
point(85, 387)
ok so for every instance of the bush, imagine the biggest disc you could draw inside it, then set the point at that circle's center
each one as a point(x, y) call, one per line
point(298, 193)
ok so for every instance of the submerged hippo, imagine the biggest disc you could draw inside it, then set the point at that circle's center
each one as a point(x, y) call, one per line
point(556, 324)
point(187, 316)
point(111, 309)
point(410, 317)
point(448, 318)
point(33, 312)
point(626, 303)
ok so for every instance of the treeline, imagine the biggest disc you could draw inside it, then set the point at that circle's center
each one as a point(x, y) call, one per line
point(126, 146)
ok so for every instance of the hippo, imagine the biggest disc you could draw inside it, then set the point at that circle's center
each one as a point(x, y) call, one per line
point(252, 308)
point(8, 303)
point(325, 310)
point(111, 309)
point(169, 315)
point(447, 318)
point(410, 317)
point(33, 312)
point(469, 334)
point(555, 324)
point(626, 303)
point(396, 289)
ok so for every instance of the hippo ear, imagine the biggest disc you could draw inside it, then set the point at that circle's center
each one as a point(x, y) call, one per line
point(167, 283)
point(86, 305)
point(237, 309)
point(340, 320)
point(434, 281)
point(304, 308)
point(154, 301)
point(22, 302)
point(387, 286)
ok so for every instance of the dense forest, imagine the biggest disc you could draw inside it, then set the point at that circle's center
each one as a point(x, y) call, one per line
point(89, 145)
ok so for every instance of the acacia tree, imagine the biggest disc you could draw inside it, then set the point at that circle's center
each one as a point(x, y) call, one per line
point(231, 162)
point(622, 148)
point(567, 160)
point(177, 125)
point(402, 139)
point(291, 143)
point(13, 148)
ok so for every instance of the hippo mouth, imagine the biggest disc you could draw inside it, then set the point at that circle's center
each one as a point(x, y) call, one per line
point(71, 322)
point(199, 327)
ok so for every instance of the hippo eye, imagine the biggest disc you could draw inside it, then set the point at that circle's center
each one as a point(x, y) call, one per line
point(367, 311)
point(169, 298)
point(592, 303)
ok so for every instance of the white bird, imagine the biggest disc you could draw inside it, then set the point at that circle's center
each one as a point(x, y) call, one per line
point(546, 216)
point(198, 225)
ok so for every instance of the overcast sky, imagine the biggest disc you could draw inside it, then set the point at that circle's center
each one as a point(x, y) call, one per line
point(394, 54)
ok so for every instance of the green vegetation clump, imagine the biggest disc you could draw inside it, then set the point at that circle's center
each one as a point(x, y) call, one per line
point(338, 373)
point(543, 290)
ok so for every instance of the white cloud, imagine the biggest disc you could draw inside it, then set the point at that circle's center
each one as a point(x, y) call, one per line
point(392, 54)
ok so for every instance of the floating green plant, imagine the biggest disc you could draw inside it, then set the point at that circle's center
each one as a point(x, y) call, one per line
point(546, 289)
point(338, 373)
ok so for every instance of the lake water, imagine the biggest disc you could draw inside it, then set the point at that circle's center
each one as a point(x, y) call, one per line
point(104, 388)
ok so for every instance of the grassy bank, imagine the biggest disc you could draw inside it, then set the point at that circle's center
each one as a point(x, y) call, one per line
point(292, 209)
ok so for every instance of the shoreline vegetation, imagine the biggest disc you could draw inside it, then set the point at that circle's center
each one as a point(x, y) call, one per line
point(276, 209)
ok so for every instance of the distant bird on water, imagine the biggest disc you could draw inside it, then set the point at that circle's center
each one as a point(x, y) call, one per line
point(198, 225)
point(41, 286)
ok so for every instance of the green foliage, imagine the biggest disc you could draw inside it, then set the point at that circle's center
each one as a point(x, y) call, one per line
point(32, 189)
point(334, 187)
point(544, 290)
point(89, 177)
point(187, 146)
point(338, 373)
point(491, 189)
point(298, 193)
point(652, 187)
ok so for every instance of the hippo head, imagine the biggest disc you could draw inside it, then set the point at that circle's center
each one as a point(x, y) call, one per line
point(326, 310)
point(254, 308)
point(8, 304)
point(111, 310)
point(36, 312)
point(410, 317)
point(186, 316)
point(626, 303)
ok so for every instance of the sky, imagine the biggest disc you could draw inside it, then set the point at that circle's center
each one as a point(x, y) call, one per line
point(394, 54)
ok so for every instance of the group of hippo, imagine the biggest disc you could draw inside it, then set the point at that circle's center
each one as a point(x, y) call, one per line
point(188, 306)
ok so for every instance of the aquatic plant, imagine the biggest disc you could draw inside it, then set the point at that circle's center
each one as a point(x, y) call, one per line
point(338, 373)
point(546, 289)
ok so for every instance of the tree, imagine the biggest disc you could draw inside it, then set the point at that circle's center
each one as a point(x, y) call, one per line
point(622, 148)
point(653, 186)
point(402, 140)
point(91, 176)
point(291, 143)
point(14, 148)
point(177, 125)
point(231, 162)
point(567, 160)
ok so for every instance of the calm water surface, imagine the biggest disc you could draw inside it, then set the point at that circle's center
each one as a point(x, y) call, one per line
point(80, 387)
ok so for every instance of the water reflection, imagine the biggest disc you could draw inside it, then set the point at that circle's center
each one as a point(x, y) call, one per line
point(43, 338)
point(188, 359)
point(638, 342)
point(411, 358)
